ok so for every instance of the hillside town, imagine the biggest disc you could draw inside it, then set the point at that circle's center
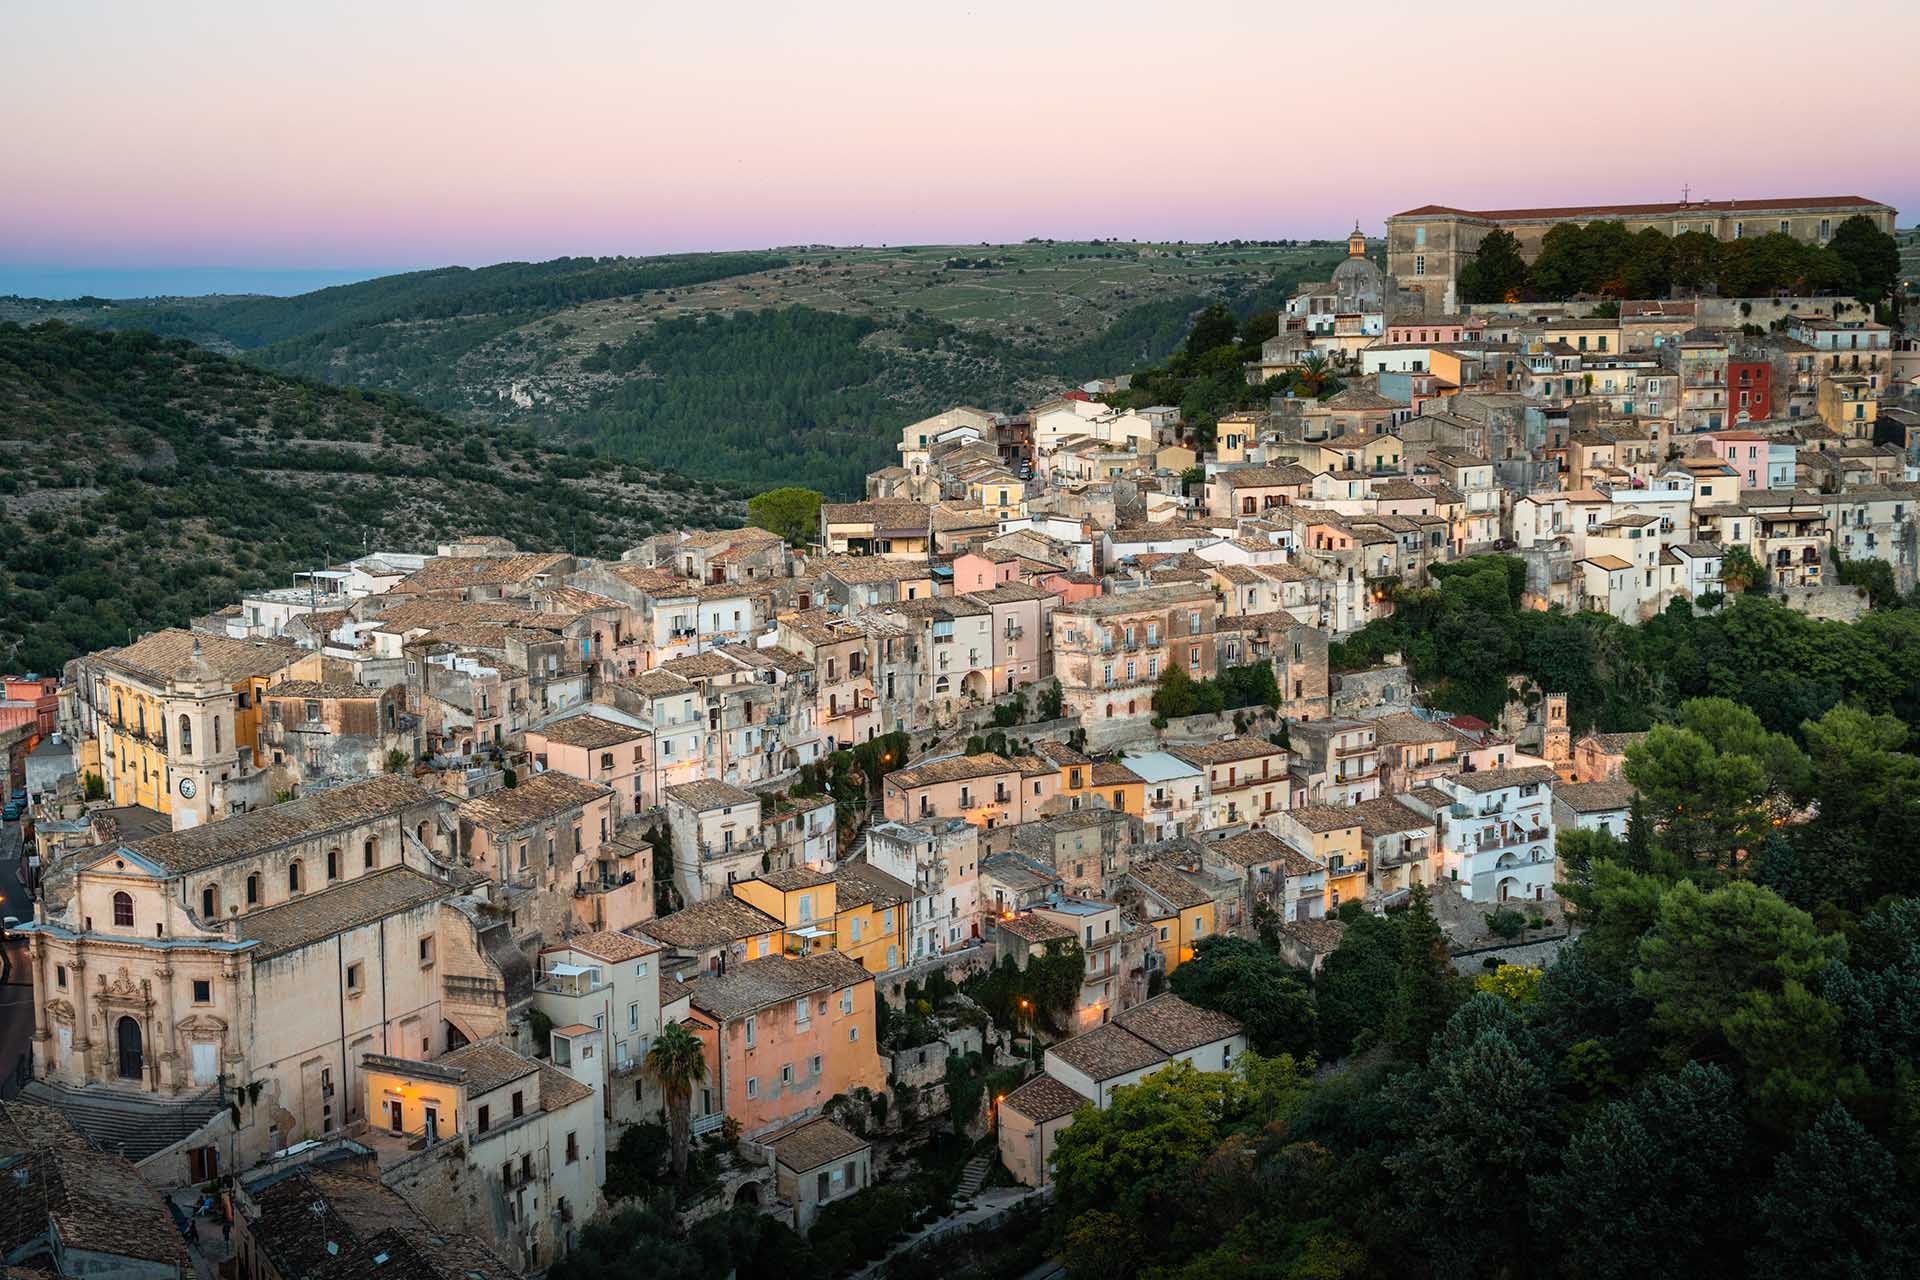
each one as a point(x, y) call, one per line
point(372, 913)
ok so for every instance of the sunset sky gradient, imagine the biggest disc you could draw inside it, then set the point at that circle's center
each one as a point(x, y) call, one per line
point(379, 136)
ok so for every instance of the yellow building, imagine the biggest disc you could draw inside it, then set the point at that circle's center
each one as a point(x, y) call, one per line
point(138, 707)
point(1329, 834)
point(999, 495)
point(873, 916)
point(802, 899)
point(1848, 404)
point(1118, 787)
point(1176, 905)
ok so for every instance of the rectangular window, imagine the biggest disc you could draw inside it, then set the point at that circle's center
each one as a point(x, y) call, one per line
point(573, 1149)
point(202, 991)
point(426, 952)
point(484, 1121)
point(753, 1086)
point(753, 1031)
point(1420, 264)
point(353, 979)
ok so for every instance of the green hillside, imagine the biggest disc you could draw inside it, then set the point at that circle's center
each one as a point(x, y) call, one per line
point(796, 365)
point(147, 477)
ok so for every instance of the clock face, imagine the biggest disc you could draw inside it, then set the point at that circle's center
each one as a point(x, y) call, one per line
point(187, 787)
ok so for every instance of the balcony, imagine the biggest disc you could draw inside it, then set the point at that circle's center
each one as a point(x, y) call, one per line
point(1510, 838)
point(1351, 867)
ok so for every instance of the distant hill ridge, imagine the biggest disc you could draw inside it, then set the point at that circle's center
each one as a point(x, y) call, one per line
point(147, 476)
point(757, 368)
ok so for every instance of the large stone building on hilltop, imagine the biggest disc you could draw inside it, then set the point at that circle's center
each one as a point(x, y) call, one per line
point(1428, 247)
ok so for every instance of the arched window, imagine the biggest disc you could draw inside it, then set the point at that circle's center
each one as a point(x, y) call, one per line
point(123, 909)
point(333, 864)
point(371, 852)
point(210, 902)
point(186, 734)
point(253, 889)
point(216, 735)
point(293, 876)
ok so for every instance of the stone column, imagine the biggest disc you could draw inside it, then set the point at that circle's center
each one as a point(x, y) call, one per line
point(82, 1020)
point(168, 1076)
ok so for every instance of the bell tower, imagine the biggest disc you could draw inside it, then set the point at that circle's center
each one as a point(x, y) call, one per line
point(201, 753)
point(1357, 242)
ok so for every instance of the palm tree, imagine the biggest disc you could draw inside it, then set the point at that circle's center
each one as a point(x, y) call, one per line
point(1313, 374)
point(676, 1062)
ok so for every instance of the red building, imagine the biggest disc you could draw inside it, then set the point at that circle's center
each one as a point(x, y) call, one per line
point(1750, 390)
point(40, 694)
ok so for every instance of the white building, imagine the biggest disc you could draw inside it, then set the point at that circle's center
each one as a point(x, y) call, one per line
point(1496, 838)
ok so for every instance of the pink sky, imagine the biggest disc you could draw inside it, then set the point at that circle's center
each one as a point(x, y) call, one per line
point(397, 133)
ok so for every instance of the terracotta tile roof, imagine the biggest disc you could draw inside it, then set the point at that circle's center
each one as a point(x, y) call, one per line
point(588, 731)
point(1033, 928)
point(1406, 728)
point(608, 945)
point(712, 923)
point(1231, 751)
point(710, 793)
point(760, 984)
point(1321, 937)
point(952, 769)
point(695, 666)
point(1166, 882)
point(540, 797)
point(249, 833)
point(1595, 797)
point(809, 1145)
point(1386, 816)
point(1484, 780)
point(1319, 818)
point(1173, 1026)
point(485, 1065)
point(1257, 847)
point(801, 877)
point(861, 884)
point(558, 1089)
point(443, 572)
point(655, 684)
point(349, 904)
point(97, 1203)
point(1044, 1098)
point(159, 655)
point(1111, 773)
point(1106, 1052)
point(882, 514)
point(1615, 744)
point(336, 1224)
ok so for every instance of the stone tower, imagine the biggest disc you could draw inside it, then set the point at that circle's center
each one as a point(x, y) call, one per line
point(201, 752)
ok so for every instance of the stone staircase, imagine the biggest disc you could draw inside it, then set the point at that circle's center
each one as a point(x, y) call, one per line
point(857, 843)
point(125, 1124)
point(972, 1178)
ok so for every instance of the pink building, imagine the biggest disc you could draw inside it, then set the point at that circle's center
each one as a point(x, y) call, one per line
point(593, 749)
point(975, 572)
point(1022, 617)
point(40, 694)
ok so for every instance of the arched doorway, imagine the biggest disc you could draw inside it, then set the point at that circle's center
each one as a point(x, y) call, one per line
point(132, 1063)
point(749, 1193)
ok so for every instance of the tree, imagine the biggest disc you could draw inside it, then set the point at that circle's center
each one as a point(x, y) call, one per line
point(1643, 1182)
point(1695, 259)
point(1835, 1207)
point(1355, 986)
point(1214, 327)
point(1497, 272)
point(1426, 989)
point(1478, 1122)
point(1739, 571)
point(791, 512)
point(1871, 255)
point(1129, 1158)
point(1728, 973)
point(675, 1060)
point(1244, 979)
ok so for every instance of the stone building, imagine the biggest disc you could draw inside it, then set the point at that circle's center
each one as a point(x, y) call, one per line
point(272, 947)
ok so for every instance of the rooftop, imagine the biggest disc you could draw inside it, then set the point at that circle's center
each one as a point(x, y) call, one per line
point(259, 829)
point(315, 917)
point(1044, 1098)
point(542, 796)
point(813, 1143)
